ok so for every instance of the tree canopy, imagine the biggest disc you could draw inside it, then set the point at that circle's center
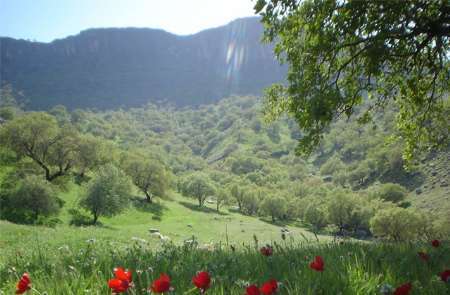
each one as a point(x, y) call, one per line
point(37, 136)
point(108, 193)
point(346, 54)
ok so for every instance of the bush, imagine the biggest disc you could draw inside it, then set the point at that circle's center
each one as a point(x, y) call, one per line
point(390, 192)
point(78, 218)
point(28, 200)
point(398, 224)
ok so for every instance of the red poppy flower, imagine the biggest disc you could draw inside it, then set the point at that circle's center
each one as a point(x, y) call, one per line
point(202, 280)
point(424, 256)
point(266, 251)
point(252, 290)
point(445, 276)
point(435, 243)
point(118, 286)
point(24, 284)
point(122, 280)
point(269, 287)
point(161, 284)
point(403, 289)
point(318, 264)
point(124, 275)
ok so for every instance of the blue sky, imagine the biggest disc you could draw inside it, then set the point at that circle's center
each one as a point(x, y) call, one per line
point(46, 20)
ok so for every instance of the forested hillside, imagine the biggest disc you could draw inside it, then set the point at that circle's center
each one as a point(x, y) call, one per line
point(230, 151)
point(110, 68)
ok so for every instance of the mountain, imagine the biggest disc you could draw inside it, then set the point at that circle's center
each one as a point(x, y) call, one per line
point(127, 67)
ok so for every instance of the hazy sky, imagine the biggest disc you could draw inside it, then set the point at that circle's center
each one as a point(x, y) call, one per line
point(46, 20)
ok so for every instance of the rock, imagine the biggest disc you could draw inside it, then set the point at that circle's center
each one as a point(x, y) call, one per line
point(444, 184)
point(189, 225)
point(210, 202)
point(418, 191)
point(153, 230)
point(327, 178)
point(434, 173)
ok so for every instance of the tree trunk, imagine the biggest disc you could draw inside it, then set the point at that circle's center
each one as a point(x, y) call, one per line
point(148, 197)
point(273, 218)
point(95, 218)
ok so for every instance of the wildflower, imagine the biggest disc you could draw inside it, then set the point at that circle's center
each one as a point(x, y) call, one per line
point(252, 290)
point(403, 289)
point(266, 250)
point(121, 274)
point(202, 281)
point(118, 286)
point(269, 287)
point(445, 276)
point(161, 284)
point(435, 243)
point(122, 280)
point(24, 284)
point(318, 264)
point(424, 256)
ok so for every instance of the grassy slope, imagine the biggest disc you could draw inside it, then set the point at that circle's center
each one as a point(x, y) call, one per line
point(435, 195)
point(171, 217)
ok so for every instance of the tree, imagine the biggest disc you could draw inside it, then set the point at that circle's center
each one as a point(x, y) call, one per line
point(222, 198)
point(398, 224)
point(199, 186)
point(148, 174)
point(238, 194)
point(37, 136)
point(390, 192)
point(251, 201)
point(349, 211)
point(274, 206)
point(108, 193)
point(314, 214)
point(342, 54)
point(26, 199)
point(92, 152)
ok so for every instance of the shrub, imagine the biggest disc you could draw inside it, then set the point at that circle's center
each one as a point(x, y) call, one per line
point(28, 200)
point(398, 224)
point(390, 192)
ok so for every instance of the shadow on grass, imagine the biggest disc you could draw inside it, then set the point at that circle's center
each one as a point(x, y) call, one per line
point(204, 209)
point(156, 209)
point(280, 223)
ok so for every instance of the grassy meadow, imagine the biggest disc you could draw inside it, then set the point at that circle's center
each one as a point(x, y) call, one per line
point(80, 260)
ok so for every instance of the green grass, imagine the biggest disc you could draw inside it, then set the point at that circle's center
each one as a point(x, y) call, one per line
point(350, 268)
point(79, 260)
point(179, 219)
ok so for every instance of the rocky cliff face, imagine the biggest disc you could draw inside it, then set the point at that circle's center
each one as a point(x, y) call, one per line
point(109, 68)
